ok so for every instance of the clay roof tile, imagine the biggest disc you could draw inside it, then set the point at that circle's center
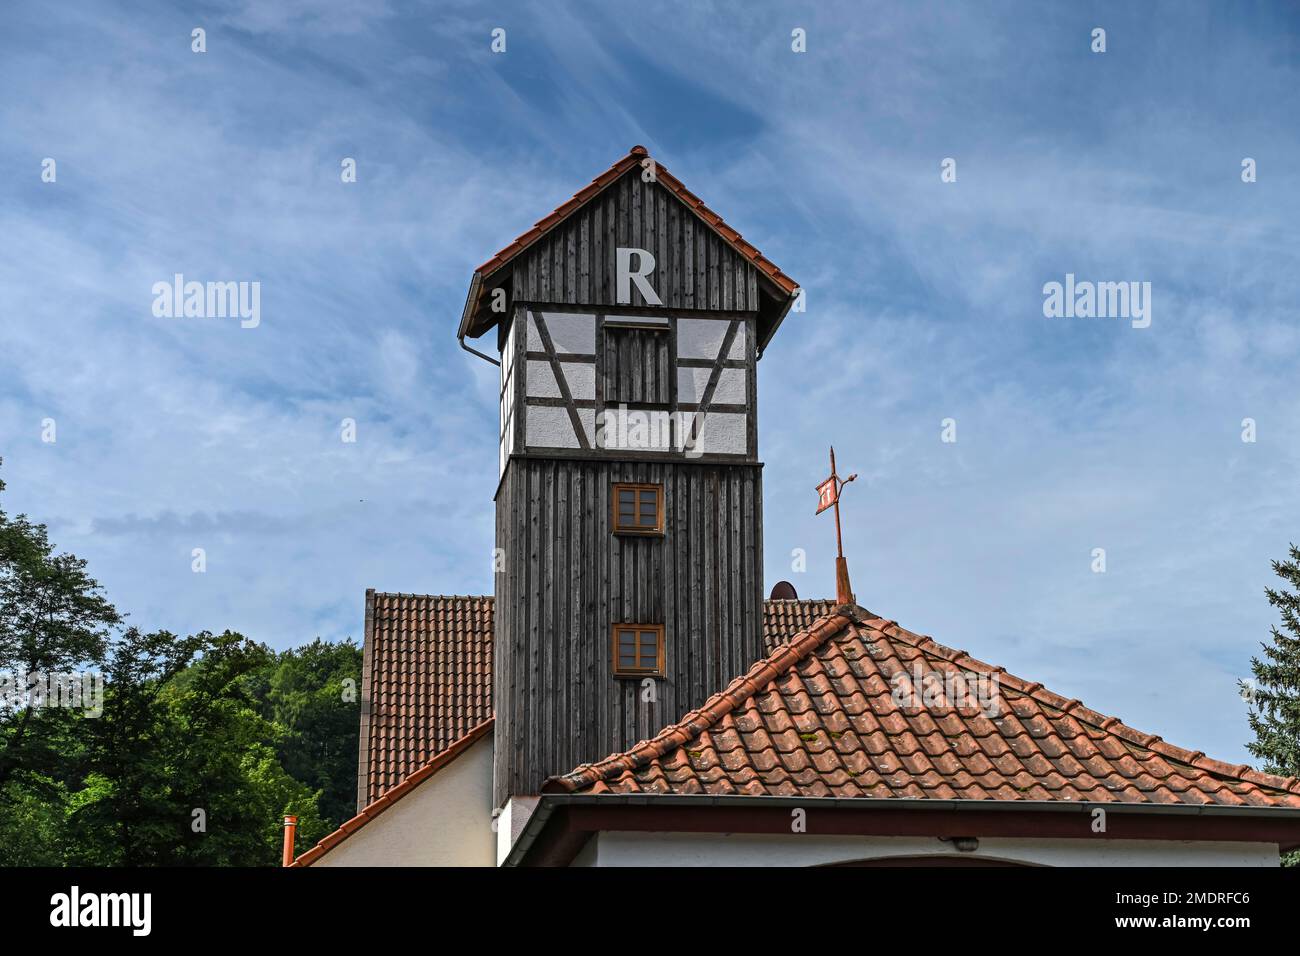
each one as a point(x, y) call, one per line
point(1039, 746)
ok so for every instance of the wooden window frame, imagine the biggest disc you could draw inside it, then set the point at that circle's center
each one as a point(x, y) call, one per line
point(637, 487)
point(638, 670)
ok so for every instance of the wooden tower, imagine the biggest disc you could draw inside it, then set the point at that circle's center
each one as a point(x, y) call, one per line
point(629, 582)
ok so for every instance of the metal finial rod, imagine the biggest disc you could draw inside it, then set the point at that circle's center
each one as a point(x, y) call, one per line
point(839, 486)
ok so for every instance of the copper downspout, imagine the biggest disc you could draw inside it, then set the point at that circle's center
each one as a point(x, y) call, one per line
point(290, 828)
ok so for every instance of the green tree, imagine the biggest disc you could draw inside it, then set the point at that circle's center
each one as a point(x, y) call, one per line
point(31, 823)
point(203, 744)
point(1275, 713)
point(312, 692)
point(54, 619)
point(182, 769)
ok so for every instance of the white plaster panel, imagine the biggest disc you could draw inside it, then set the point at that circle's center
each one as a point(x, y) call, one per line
point(547, 427)
point(507, 396)
point(572, 333)
point(507, 440)
point(731, 387)
point(581, 377)
point(508, 353)
point(723, 434)
point(541, 381)
point(738, 344)
point(588, 418)
point(700, 338)
point(691, 383)
point(636, 429)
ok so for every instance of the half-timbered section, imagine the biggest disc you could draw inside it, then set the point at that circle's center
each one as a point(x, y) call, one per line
point(610, 385)
point(629, 325)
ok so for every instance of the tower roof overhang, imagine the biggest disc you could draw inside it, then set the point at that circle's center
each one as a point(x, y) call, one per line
point(777, 291)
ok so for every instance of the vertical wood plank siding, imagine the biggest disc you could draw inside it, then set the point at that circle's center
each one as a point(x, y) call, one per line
point(637, 366)
point(566, 578)
point(574, 264)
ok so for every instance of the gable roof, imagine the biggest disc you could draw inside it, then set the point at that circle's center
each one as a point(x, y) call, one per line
point(784, 620)
point(475, 322)
point(426, 682)
point(427, 676)
point(394, 794)
point(818, 718)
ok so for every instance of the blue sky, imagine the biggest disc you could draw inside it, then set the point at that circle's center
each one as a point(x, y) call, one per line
point(924, 303)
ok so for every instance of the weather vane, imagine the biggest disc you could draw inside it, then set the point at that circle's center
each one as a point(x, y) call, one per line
point(828, 495)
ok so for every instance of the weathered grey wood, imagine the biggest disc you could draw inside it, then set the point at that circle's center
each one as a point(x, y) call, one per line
point(584, 256)
point(568, 579)
point(686, 278)
point(638, 225)
point(637, 366)
point(751, 389)
point(575, 262)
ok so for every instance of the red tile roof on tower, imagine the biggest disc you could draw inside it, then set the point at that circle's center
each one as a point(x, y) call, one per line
point(673, 185)
point(633, 159)
point(819, 717)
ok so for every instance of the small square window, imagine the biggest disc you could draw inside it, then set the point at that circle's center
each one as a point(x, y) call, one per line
point(638, 509)
point(638, 650)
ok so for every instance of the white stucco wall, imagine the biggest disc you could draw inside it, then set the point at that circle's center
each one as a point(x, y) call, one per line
point(702, 338)
point(445, 821)
point(514, 815)
point(702, 849)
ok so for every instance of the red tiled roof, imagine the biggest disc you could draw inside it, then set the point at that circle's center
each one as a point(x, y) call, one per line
point(664, 178)
point(817, 718)
point(428, 662)
point(674, 185)
point(427, 682)
point(783, 620)
point(391, 796)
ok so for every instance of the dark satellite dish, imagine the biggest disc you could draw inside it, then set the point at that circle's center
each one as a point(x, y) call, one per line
point(783, 591)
